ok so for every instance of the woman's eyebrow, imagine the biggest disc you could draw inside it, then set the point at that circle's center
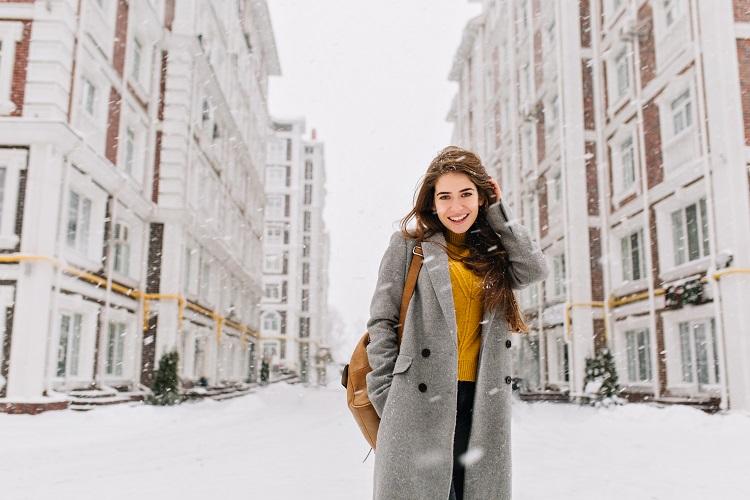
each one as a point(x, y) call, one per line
point(463, 190)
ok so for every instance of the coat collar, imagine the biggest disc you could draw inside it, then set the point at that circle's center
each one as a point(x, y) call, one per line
point(436, 262)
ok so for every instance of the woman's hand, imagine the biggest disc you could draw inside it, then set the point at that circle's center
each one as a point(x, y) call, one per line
point(498, 191)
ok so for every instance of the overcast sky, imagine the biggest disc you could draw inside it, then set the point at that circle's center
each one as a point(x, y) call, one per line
point(372, 78)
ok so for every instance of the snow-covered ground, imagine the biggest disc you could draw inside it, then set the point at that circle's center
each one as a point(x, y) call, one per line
point(290, 442)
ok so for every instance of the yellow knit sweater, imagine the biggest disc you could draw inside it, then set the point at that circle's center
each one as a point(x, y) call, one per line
point(467, 299)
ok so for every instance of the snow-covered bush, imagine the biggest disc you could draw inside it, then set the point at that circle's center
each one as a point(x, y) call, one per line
point(167, 386)
point(601, 383)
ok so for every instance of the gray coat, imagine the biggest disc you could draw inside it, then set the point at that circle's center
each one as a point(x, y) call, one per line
point(414, 390)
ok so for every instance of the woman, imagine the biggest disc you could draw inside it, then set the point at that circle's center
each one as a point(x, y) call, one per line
point(444, 396)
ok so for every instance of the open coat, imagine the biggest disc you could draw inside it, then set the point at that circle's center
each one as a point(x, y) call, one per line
point(414, 391)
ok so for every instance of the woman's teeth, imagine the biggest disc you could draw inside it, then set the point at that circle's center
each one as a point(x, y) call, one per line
point(458, 219)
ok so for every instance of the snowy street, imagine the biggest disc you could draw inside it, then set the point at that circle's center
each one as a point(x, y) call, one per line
point(290, 442)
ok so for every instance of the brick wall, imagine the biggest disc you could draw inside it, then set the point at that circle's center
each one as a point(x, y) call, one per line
point(18, 84)
point(654, 248)
point(538, 66)
point(652, 133)
point(585, 16)
point(646, 46)
point(113, 126)
point(600, 335)
point(743, 60)
point(587, 80)
point(595, 264)
point(742, 11)
point(541, 145)
point(541, 187)
point(592, 186)
point(121, 36)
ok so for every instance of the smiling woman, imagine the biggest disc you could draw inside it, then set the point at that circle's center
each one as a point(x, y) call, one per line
point(443, 394)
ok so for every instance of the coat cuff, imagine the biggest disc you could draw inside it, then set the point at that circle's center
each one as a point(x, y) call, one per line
point(498, 217)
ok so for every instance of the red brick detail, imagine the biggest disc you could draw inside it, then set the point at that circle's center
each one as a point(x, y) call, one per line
point(587, 78)
point(540, 137)
point(538, 66)
point(18, 83)
point(541, 187)
point(652, 133)
point(157, 168)
point(605, 89)
point(32, 408)
point(743, 60)
point(646, 45)
point(585, 15)
point(595, 264)
point(741, 11)
point(592, 185)
point(600, 335)
point(169, 14)
point(113, 126)
point(661, 356)
point(121, 36)
point(654, 248)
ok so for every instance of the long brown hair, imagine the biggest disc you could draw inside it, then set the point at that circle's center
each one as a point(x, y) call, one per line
point(487, 257)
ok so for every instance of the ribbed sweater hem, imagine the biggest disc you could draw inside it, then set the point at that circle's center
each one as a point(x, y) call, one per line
point(467, 370)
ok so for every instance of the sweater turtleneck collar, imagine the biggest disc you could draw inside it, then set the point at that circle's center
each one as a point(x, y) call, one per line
point(455, 238)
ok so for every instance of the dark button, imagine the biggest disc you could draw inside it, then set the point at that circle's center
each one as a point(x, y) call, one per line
point(507, 344)
point(508, 380)
point(425, 353)
point(422, 388)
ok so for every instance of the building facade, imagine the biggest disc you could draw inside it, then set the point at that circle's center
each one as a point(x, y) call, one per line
point(296, 249)
point(619, 131)
point(131, 155)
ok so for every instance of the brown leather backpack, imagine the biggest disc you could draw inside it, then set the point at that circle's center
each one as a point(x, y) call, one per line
point(353, 378)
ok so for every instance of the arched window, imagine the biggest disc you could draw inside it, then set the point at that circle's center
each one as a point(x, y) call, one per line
point(271, 322)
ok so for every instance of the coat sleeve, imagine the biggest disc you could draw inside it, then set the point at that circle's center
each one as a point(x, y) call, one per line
point(383, 323)
point(527, 262)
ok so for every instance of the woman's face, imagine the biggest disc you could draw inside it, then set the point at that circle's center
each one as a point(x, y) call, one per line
point(456, 201)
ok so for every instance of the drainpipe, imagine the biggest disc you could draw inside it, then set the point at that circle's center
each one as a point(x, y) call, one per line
point(573, 382)
point(634, 38)
point(708, 175)
point(601, 167)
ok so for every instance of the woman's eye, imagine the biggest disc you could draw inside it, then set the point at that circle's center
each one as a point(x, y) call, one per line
point(467, 194)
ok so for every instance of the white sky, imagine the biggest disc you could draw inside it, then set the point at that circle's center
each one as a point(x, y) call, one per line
point(372, 78)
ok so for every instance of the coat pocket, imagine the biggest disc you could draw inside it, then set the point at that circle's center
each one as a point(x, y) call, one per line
point(403, 362)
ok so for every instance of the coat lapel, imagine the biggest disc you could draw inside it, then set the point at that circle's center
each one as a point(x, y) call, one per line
point(436, 262)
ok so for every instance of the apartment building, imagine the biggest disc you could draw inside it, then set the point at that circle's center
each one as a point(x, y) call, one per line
point(619, 131)
point(296, 250)
point(131, 155)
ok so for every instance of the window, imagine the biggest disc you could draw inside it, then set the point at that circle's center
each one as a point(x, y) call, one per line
point(307, 221)
point(698, 354)
point(690, 233)
point(556, 189)
point(627, 163)
point(554, 114)
point(205, 280)
point(305, 273)
point(559, 279)
point(672, 11)
point(88, 96)
point(273, 291)
point(682, 117)
point(79, 221)
point(129, 150)
point(115, 348)
point(274, 234)
point(305, 299)
point(306, 246)
point(275, 177)
point(69, 344)
point(205, 112)
point(275, 206)
point(622, 73)
point(638, 355)
point(631, 253)
point(561, 353)
point(121, 251)
point(271, 322)
point(308, 170)
point(135, 70)
point(288, 149)
point(273, 263)
point(308, 194)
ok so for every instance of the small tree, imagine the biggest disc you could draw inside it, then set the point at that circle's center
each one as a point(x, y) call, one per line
point(166, 386)
point(601, 379)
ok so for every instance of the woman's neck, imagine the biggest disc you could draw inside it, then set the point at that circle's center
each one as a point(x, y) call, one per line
point(458, 239)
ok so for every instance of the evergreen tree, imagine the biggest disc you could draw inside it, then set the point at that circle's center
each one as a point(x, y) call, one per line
point(601, 379)
point(166, 386)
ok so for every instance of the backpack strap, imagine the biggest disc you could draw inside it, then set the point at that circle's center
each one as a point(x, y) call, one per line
point(409, 286)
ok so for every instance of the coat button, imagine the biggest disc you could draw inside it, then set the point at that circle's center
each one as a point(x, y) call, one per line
point(508, 380)
point(425, 353)
point(507, 344)
point(422, 388)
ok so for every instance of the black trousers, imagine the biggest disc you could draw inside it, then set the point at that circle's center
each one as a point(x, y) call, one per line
point(464, 411)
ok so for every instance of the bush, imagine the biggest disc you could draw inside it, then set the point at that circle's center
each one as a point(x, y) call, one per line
point(166, 386)
point(601, 380)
